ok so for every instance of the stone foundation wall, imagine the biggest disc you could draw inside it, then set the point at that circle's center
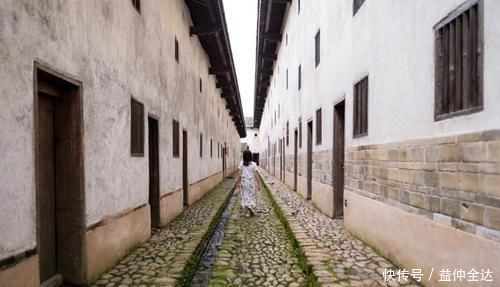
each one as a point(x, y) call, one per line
point(452, 180)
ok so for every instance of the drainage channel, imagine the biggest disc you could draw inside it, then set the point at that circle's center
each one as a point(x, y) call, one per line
point(207, 263)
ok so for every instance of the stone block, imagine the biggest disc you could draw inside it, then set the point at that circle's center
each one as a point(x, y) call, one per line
point(417, 199)
point(431, 178)
point(392, 193)
point(451, 153)
point(404, 196)
point(463, 225)
point(472, 212)
point(492, 218)
point(491, 184)
point(449, 180)
point(432, 154)
point(450, 207)
point(473, 152)
point(493, 151)
point(433, 203)
point(470, 182)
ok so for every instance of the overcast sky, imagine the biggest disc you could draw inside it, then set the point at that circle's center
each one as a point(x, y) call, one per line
point(241, 18)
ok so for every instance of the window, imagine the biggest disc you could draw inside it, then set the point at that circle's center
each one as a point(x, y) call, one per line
point(287, 79)
point(201, 85)
point(218, 149)
point(287, 133)
point(360, 108)
point(300, 132)
point(317, 40)
point(356, 5)
point(211, 149)
point(319, 127)
point(300, 77)
point(176, 50)
point(175, 138)
point(298, 7)
point(137, 128)
point(137, 5)
point(286, 39)
point(201, 145)
point(458, 63)
point(279, 111)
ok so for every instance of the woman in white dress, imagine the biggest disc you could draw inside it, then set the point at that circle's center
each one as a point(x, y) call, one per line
point(247, 182)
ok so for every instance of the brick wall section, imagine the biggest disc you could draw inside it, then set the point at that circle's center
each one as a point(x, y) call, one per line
point(453, 180)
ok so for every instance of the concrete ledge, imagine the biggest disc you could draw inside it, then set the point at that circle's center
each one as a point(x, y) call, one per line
point(25, 273)
point(199, 189)
point(171, 205)
point(414, 241)
point(106, 244)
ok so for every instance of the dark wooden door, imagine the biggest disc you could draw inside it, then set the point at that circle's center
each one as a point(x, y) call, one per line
point(338, 158)
point(185, 182)
point(295, 158)
point(283, 156)
point(46, 193)
point(309, 158)
point(154, 172)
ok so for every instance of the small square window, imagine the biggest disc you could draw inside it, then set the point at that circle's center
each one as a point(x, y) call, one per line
point(175, 138)
point(137, 128)
point(360, 108)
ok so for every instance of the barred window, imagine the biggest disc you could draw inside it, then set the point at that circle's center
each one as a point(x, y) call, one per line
point(360, 108)
point(458, 63)
point(137, 128)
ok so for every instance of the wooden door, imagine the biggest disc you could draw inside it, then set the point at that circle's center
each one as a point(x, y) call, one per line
point(154, 172)
point(338, 159)
point(46, 193)
point(60, 197)
point(309, 158)
point(295, 158)
point(185, 182)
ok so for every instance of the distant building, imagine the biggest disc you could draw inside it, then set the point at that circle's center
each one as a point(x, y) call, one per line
point(387, 113)
point(251, 140)
point(114, 116)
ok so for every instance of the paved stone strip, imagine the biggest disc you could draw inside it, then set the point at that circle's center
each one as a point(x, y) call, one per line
point(162, 259)
point(256, 250)
point(337, 258)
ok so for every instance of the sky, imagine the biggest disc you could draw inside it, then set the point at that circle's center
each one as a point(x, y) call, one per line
point(241, 19)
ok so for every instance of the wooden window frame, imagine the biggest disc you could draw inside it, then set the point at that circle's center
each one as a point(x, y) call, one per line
point(201, 145)
point(360, 107)
point(175, 138)
point(287, 133)
point(356, 5)
point(136, 128)
point(445, 92)
point(137, 5)
point(300, 132)
point(317, 48)
point(176, 48)
point(299, 79)
point(319, 127)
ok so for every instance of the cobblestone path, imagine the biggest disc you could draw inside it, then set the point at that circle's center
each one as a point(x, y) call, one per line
point(161, 260)
point(256, 250)
point(338, 259)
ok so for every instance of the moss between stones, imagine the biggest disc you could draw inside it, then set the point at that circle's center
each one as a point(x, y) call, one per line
point(192, 264)
point(311, 279)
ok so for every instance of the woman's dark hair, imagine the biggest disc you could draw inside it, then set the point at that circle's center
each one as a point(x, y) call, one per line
point(247, 157)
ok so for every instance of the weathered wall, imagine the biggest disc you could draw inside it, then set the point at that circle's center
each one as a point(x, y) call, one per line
point(393, 43)
point(116, 53)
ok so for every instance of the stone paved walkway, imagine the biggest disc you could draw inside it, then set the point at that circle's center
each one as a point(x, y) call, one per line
point(338, 259)
point(256, 250)
point(161, 260)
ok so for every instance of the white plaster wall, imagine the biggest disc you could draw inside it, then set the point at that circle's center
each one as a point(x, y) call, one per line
point(252, 140)
point(392, 42)
point(116, 53)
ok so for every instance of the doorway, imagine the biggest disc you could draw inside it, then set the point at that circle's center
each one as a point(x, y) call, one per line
point(338, 158)
point(60, 198)
point(309, 158)
point(154, 172)
point(295, 158)
point(284, 158)
point(185, 182)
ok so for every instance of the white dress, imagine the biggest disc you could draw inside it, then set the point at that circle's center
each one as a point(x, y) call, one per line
point(247, 184)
